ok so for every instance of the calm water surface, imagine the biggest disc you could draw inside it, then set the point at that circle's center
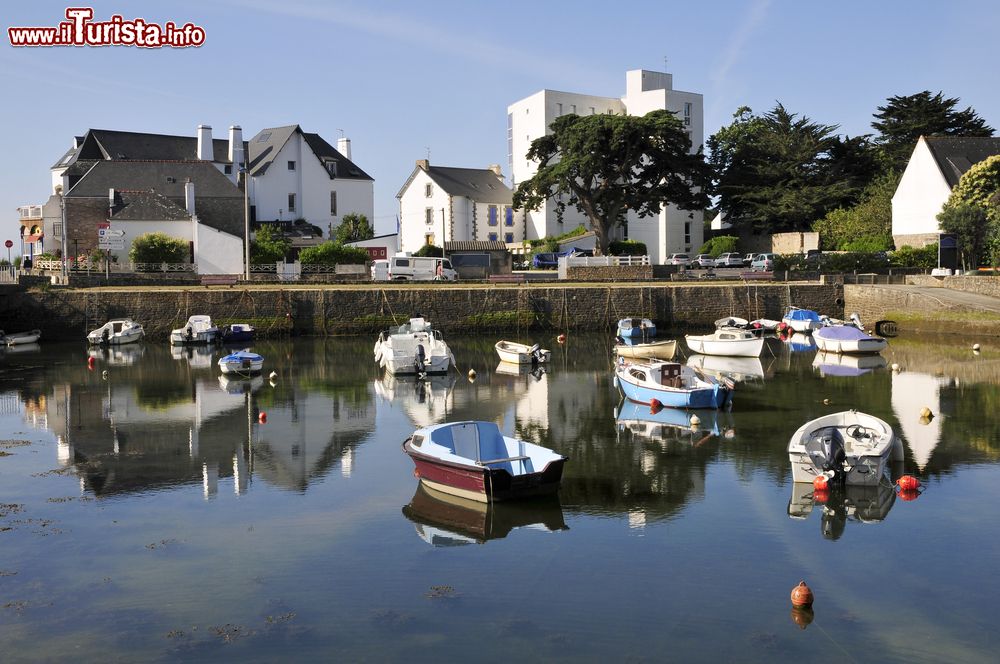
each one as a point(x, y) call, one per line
point(147, 515)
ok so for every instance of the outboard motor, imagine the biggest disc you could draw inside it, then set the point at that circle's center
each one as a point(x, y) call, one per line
point(420, 364)
point(188, 332)
point(105, 336)
point(826, 451)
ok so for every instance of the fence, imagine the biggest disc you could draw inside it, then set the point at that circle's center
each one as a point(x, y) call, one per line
point(117, 268)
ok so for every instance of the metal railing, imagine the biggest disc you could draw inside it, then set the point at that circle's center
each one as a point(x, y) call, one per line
point(30, 212)
point(98, 266)
point(604, 261)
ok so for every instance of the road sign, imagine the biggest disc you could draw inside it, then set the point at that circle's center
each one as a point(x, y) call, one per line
point(114, 232)
point(8, 244)
point(111, 243)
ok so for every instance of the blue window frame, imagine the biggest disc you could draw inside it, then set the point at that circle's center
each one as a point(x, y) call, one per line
point(491, 215)
point(492, 237)
point(508, 216)
point(508, 238)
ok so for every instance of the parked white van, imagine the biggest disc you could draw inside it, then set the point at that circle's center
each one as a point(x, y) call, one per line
point(380, 270)
point(418, 268)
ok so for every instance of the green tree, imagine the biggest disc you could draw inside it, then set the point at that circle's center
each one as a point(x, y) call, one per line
point(720, 244)
point(904, 119)
point(866, 226)
point(269, 246)
point(333, 253)
point(607, 165)
point(780, 172)
point(158, 248)
point(354, 227)
point(429, 250)
point(968, 223)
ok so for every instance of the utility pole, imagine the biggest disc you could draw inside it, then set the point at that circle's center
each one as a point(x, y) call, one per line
point(442, 231)
point(246, 224)
point(65, 248)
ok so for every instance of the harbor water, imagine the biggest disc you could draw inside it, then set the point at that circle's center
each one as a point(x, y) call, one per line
point(153, 510)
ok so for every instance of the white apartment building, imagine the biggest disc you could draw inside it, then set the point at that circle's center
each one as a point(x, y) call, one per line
point(673, 230)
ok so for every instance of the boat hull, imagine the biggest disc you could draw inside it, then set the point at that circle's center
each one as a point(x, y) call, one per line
point(714, 396)
point(405, 365)
point(484, 484)
point(864, 346)
point(22, 338)
point(866, 461)
point(520, 353)
point(734, 348)
point(239, 368)
point(179, 338)
point(663, 350)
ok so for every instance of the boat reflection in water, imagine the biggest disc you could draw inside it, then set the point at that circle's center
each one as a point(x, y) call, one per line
point(20, 348)
point(508, 369)
point(850, 502)
point(117, 356)
point(832, 364)
point(737, 369)
point(671, 424)
point(427, 401)
point(799, 342)
point(241, 385)
point(198, 356)
point(445, 520)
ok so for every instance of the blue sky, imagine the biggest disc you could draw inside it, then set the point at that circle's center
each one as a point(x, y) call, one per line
point(402, 78)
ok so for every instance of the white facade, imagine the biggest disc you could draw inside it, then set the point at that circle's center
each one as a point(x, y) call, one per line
point(429, 214)
point(297, 186)
point(215, 251)
point(920, 195)
point(673, 230)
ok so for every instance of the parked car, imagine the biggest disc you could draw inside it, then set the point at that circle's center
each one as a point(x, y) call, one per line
point(549, 260)
point(420, 268)
point(763, 263)
point(748, 259)
point(703, 260)
point(730, 259)
point(679, 259)
point(813, 257)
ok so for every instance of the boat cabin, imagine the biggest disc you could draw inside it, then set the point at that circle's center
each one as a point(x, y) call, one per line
point(667, 374)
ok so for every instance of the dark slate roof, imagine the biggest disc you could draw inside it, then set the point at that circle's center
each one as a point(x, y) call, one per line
point(480, 184)
point(218, 203)
point(265, 146)
point(110, 144)
point(327, 154)
point(474, 245)
point(146, 206)
point(956, 154)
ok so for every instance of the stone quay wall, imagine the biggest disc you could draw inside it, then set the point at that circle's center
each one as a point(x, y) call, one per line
point(970, 284)
point(71, 313)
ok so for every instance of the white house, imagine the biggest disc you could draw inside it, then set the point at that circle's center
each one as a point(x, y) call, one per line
point(298, 175)
point(935, 167)
point(439, 204)
point(673, 230)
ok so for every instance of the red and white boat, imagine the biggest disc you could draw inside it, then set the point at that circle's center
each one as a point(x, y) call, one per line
point(475, 461)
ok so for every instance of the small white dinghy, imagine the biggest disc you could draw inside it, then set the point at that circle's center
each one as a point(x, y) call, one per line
point(847, 447)
point(20, 338)
point(727, 341)
point(847, 339)
point(241, 363)
point(515, 353)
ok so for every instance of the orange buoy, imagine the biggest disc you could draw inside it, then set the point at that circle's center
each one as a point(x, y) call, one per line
point(821, 496)
point(655, 406)
point(262, 418)
point(561, 338)
point(821, 483)
point(909, 494)
point(802, 595)
point(908, 483)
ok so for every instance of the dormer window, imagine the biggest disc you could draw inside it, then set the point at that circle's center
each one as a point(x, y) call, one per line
point(291, 165)
point(332, 167)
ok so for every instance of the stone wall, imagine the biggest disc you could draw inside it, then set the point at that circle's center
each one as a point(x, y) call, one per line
point(609, 273)
point(915, 312)
point(970, 284)
point(69, 314)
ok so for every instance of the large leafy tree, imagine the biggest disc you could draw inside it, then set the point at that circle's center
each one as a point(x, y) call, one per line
point(608, 165)
point(354, 227)
point(973, 212)
point(904, 119)
point(159, 248)
point(269, 245)
point(781, 172)
point(866, 226)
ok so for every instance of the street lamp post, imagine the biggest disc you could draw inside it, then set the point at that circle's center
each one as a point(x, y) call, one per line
point(246, 223)
point(65, 248)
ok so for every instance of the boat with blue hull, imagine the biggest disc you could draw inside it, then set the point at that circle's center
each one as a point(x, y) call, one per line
point(636, 328)
point(238, 333)
point(670, 384)
point(241, 363)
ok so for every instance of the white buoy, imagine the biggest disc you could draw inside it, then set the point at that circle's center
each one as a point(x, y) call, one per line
point(104, 374)
point(272, 383)
point(472, 374)
point(695, 420)
point(926, 413)
point(975, 347)
point(826, 402)
point(273, 375)
point(895, 367)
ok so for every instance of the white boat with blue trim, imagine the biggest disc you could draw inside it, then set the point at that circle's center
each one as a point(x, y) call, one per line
point(241, 363)
point(670, 384)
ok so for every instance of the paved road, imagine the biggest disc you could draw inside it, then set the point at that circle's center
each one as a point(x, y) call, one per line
point(947, 297)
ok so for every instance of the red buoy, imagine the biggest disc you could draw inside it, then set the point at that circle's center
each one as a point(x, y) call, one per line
point(802, 595)
point(909, 494)
point(821, 483)
point(655, 406)
point(561, 338)
point(908, 483)
point(90, 363)
point(821, 496)
point(262, 418)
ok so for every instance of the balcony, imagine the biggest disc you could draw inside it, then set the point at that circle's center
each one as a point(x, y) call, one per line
point(30, 212)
